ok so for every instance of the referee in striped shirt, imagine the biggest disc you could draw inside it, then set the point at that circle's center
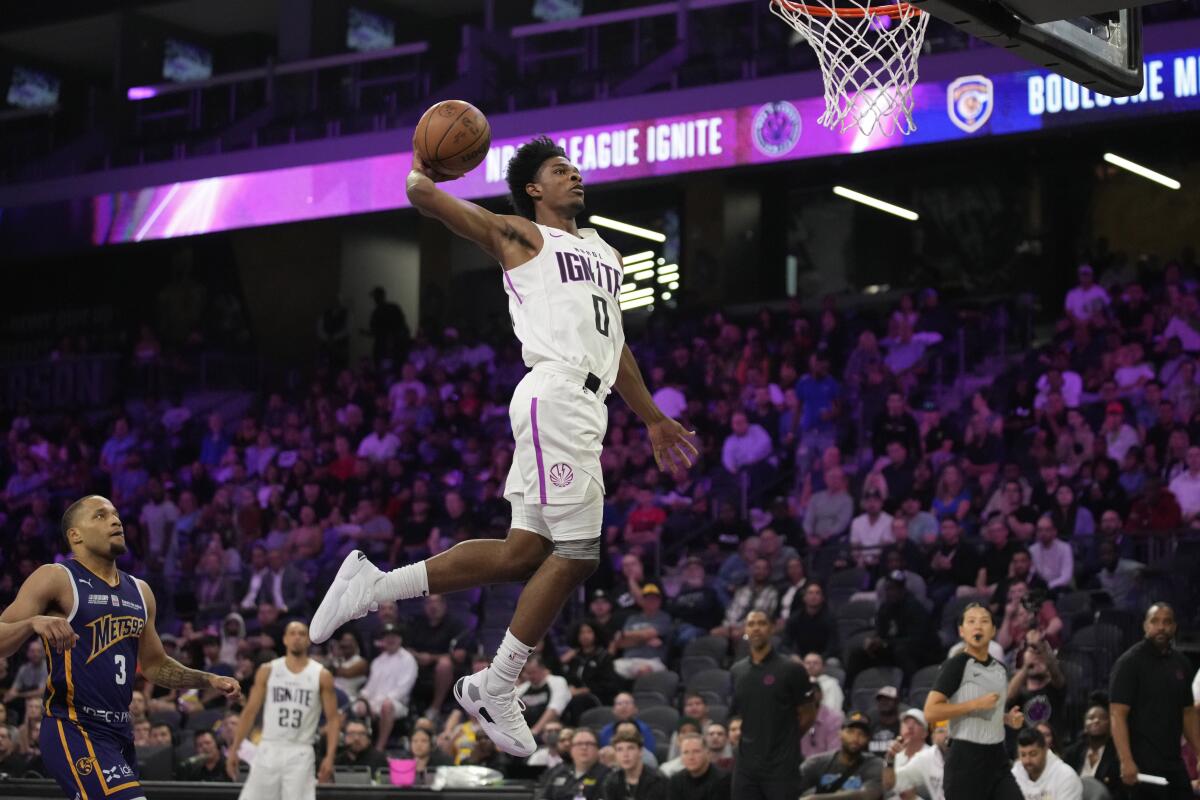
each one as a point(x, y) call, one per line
point(968, 692)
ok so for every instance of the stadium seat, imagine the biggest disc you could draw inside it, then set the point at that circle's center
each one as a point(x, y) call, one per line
point(1102, 641)
point(664, 683)
point(185, 743)
point(861, 611)
point(712, 684)
point(718, 712)
point(597, 718)
point(660, 718)
point(352, 776)
point(170, 717)
point(868, 682)
point(924, 677)
point(917, 698)
point(1094, 789)
point(1125, 621)
point(204, 720)
point(843, 584)
point(715, 646)
point(650, 699)
point(156, 763)
point(689, 666)
point(836, 672)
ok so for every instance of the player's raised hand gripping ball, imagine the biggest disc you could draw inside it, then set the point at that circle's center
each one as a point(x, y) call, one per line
point(452, 138)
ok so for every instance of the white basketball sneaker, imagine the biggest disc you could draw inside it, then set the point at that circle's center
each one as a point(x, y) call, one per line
point(350, 596)
point(498, 715)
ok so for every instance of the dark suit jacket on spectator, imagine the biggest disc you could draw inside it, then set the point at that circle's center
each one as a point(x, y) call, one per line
point(652, 785)
point(712, 785)
point(1108, 771)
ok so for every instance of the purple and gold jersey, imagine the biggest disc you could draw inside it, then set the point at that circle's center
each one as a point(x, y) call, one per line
point(92, 683)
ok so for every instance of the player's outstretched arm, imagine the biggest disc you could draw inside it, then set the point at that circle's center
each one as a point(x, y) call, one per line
point(46, 589)
point(672, 443)
point(162, 670)
point(509, 239)
point(254, 703)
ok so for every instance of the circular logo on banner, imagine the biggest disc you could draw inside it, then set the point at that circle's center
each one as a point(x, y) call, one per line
point(776, 128)
point(561, 475)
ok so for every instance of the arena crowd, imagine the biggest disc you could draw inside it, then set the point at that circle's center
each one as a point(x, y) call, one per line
point(842, 490)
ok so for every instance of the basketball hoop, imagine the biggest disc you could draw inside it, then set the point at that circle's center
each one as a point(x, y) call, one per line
point(868, 53)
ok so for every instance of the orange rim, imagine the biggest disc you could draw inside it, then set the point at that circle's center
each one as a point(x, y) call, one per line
point(890, 10)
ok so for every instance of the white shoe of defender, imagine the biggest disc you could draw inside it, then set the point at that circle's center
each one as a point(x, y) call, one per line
point(350, 596)
point(498, 715)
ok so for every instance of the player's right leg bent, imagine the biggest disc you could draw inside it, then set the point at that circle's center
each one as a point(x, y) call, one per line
point(89, 764)
point(489, 696)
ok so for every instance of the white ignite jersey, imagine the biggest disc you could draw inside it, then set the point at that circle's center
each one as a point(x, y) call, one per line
point(292, 706)
point(564, 305)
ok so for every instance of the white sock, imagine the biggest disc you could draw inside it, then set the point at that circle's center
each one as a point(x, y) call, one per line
point(506, 666)
point(403, 584)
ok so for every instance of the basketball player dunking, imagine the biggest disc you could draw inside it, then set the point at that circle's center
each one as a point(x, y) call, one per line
point(97, 624)
point(562, 284)
point(295, 690)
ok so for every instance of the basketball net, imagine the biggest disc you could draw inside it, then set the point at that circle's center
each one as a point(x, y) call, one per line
point(868, 53)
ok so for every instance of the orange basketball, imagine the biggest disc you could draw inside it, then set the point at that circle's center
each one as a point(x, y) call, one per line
point(453, 137)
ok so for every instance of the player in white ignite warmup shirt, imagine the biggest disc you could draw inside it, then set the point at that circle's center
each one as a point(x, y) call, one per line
point(295, 690)
point(562, 284)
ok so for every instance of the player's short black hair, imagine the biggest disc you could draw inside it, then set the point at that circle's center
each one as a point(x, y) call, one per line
point(962, 615)
point(523, 168)
point(68, 517)
point(1029, 737)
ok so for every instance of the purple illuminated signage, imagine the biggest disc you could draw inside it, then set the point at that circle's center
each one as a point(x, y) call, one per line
point(969, 106)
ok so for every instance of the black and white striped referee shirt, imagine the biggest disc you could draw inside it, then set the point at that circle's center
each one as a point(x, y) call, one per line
point(963, 678)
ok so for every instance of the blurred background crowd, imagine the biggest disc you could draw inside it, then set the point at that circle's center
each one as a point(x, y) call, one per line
point(846, 488)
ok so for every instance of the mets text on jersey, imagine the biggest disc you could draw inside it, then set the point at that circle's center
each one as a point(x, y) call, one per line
point(110, 629)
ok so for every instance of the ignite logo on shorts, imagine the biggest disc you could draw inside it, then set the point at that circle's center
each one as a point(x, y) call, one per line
point(776, 128)
point(969, 102)
point(561, 475)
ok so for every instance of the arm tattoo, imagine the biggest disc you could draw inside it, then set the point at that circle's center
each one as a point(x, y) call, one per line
point(173, 675)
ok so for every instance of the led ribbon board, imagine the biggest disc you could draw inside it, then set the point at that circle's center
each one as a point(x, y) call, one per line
point(969, 106)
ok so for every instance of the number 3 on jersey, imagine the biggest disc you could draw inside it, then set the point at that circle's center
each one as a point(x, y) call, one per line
point(119, 661)
point(601, 309)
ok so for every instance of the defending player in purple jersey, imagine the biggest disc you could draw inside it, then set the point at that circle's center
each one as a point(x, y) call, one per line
point(97, 625)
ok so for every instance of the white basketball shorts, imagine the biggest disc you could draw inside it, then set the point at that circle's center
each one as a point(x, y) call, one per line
point(555, 485)
point(281, 771)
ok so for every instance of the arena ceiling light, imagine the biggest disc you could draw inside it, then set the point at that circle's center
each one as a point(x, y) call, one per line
point(1145, 172)
point(645, 255)
point(625, 227)
point(875, 202)
point(638, 303)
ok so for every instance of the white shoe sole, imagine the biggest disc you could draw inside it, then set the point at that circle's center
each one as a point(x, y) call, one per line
point(502, 739)
point(326, 621)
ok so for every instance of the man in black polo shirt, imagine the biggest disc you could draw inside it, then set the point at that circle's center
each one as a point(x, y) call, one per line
point(431, 638)
point(1151, 707)
point(773, 696)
